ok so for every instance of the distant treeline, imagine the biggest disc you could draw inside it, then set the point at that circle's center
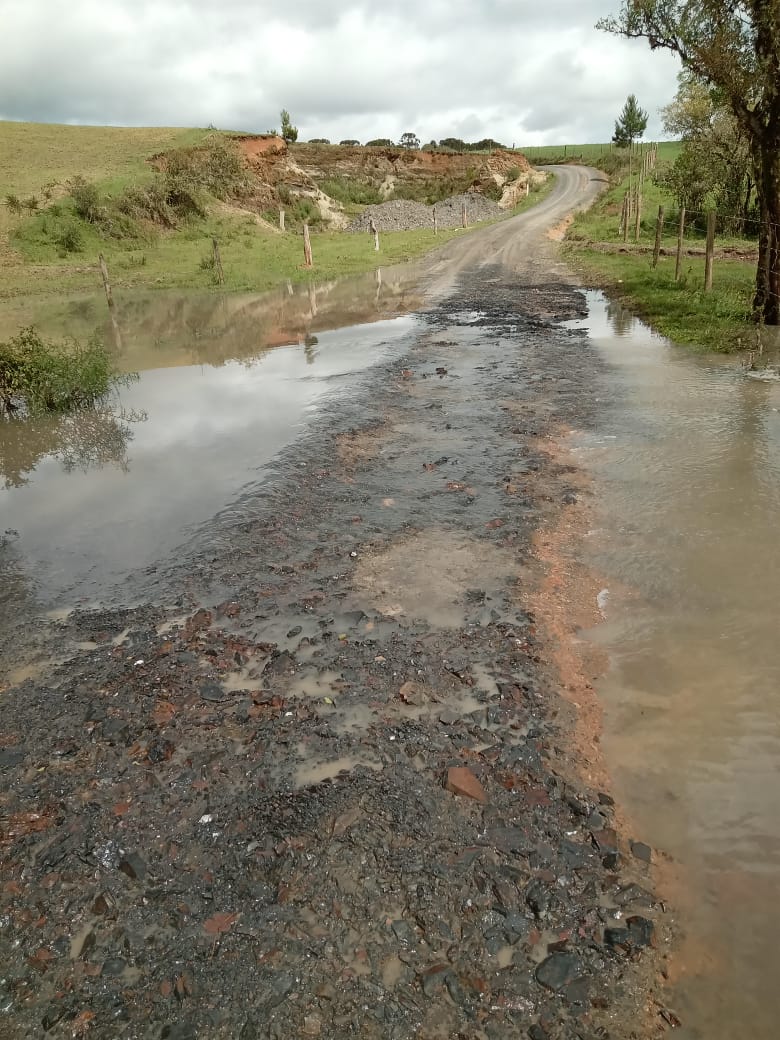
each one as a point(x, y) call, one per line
point(447, 144)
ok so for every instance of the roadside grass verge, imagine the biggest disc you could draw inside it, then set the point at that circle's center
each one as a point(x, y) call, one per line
point(716, 321)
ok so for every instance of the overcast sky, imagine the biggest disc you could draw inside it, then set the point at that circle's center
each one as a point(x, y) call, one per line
point(521, 71)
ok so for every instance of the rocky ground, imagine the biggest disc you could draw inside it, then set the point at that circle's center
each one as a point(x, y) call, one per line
point(320, 781)
point(407, 215)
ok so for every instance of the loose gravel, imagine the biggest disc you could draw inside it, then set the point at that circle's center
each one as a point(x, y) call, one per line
point(407, 215)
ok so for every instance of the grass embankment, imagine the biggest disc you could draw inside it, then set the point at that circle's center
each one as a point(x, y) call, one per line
point(80, 191)
point(719, 320)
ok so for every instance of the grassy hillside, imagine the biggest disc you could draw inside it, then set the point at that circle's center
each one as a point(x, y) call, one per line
point(591, 154)
point(35, 154)
point(68, 193)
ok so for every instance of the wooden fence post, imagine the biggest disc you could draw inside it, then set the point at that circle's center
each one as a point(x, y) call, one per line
point(308, 260)
point(106, 283)
point(680, 237)
point(281, 220)
point(110, 301)
point(218, 262)
point(638, 220)
point(435, 222)
point(626, 215)
point(375, 233)
point(710, 253)
point(464, 214)
point(659, 229)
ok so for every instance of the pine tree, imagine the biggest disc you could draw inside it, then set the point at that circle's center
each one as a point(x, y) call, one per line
point(289, 132)
point(631, 125)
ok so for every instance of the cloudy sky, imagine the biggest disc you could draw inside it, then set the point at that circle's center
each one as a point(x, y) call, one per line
point(522, 71)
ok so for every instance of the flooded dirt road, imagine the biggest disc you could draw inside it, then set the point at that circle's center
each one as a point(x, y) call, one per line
point(685, 457)
point(312, 773)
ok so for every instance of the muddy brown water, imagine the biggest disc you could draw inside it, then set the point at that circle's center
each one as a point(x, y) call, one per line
point(224, 384)
point(687, 494)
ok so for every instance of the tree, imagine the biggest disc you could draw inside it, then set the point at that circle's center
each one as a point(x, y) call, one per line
point(734, 46)
point(714, 164)
point(409, 140)
point(631, 124)
point(350, 142)
point(380, 142)
point(289, 132)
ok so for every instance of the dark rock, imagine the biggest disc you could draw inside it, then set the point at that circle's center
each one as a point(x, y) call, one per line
point(641, 851)
point(133, 866)
point(640, 931)
point(606, 799)
point(54, 1013)
point(211, 691)
point(10, 757)
point(538, 1032)
point(634, 894)
point(616, 936)
point(277, 990)
point(116, 731)
point(179, 1031)
point(538, 897)
point(558, 970)
point(577, 992)
point(113, 967)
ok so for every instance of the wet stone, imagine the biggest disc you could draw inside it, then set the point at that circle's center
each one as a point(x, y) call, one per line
point(133, 866)
point(461, 781)
point(558, 970)
point(179, 1031)
point(641, 851)
point(113, 967)
point(211, 691)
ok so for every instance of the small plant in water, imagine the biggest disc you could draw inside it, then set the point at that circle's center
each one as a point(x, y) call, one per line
point(39, 376)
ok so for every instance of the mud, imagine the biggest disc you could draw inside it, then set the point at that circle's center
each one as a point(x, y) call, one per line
point(319, 778)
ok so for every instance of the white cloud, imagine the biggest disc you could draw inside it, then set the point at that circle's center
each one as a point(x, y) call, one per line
point(517, 70)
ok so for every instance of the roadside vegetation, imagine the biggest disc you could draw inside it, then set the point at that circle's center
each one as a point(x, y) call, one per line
point(38, 375)
point(707, 171)
point(719, 320)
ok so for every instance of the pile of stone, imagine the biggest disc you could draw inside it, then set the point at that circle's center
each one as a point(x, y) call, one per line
point(407, 215)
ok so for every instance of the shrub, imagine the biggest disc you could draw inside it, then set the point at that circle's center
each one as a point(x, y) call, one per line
point(13, 202)
point(359, 192)
point(31, 204)
point(350, 143)
point(513, 173)
point(380, 142)
point(86, 199)
point(39, 376)
point(68, 239)
point(319, 140)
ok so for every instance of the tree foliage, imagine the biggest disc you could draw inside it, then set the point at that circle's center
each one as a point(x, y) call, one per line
point(714, 167)
point(380, 142)
point(409, 140)
point(631, 124)
point(734, 47)
point(289, 132)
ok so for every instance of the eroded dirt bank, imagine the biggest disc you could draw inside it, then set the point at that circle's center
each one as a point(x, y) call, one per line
point(313, 784)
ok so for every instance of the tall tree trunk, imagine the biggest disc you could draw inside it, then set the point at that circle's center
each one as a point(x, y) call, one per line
point(766, 304)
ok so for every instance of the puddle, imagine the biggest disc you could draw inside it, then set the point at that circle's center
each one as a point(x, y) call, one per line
point(686, 465)
point(316, 773)
point(89, 498)
point(427, 576)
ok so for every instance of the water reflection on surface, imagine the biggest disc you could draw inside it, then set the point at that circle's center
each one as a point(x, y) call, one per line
point(226, 383)
point(686, 461)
